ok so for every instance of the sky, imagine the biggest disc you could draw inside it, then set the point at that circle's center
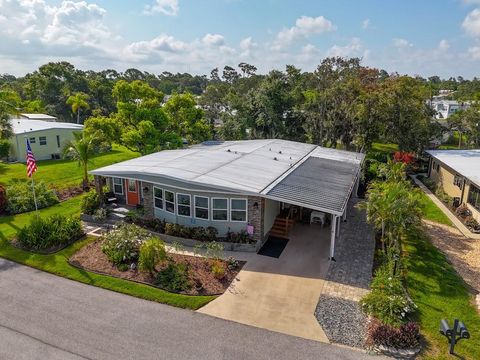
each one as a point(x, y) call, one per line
point(415, 37)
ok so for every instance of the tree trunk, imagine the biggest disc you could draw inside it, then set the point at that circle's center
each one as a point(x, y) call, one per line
point(85, 177)
point(78, 116)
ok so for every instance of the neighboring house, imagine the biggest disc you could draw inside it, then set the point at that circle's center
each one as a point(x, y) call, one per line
point(445, 108)
point(46, 138)
point(458, 173)
point(43, 117)
point(251, 185)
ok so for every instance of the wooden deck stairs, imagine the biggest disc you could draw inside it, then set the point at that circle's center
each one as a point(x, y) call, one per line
point(281, 227)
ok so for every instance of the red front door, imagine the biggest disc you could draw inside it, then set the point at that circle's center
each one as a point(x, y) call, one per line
point(133, 197)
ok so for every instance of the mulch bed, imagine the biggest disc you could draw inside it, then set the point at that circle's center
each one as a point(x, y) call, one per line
point(91, 258)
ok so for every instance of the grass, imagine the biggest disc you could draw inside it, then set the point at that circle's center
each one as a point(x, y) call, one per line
point(58, 263)
point(440, 293)
point(385, 148)
point(432, 212)
point(63, 173)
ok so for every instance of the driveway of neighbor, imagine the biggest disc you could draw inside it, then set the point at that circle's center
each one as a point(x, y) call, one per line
point(43, 316)
point(280, 294)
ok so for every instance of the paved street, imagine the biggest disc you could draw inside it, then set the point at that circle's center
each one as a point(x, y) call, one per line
point(43, 316)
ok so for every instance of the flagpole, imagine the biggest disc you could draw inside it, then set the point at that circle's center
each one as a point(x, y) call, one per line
point(34, 196)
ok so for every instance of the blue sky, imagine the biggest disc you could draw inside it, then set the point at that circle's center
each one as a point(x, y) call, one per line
point(415, 37)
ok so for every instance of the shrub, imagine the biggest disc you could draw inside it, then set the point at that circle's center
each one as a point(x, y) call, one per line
point(463, 211)
point(4, 148)
point(214, 250)
point(388, 300)
point(174, 278)
point(123, 267)
point(232, 263)
point(152, 252)
point(47, 233)
point(122, 244)
point(429, 183)
point(90, 203)
point(100, 214)
point(218, 270)
point(471, 223)
point(212, 233)
point(404, 337)
point(20, 197)
point(241, 237)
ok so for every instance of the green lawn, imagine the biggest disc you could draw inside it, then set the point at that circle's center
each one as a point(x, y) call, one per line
point(432, 212)
point(439, 292)
point(57, 263)
point(386, 148)
point(63, 173)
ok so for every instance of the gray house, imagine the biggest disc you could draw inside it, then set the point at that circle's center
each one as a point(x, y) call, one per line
point(261, 186)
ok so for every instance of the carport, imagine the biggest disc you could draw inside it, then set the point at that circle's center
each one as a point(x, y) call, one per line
point(321, 183)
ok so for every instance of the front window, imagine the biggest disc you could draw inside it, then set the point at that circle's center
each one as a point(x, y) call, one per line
point(42, 140)
point(220, 209)
point(169, 201)
point(158, 198)
point(32, 140)
point(183, 203)
point(201, 207)
point(118, 186)
point(474, 197)
point(238, 210)
point(458, 181)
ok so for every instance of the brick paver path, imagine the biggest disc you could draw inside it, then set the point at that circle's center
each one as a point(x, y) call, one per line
point(349, 277)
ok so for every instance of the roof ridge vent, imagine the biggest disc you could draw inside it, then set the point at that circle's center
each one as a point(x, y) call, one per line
point(275, 158)
point(229, 150)
point(280, 151)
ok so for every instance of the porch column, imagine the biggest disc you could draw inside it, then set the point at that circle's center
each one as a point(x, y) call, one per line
point(333, 235)
point(344, 216)
point(357, 184)
point(338, 225)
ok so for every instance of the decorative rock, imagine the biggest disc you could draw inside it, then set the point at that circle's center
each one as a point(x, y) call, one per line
point(398, 353)
point(133, 266)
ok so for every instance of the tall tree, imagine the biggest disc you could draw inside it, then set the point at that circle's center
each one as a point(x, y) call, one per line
point(81, 149)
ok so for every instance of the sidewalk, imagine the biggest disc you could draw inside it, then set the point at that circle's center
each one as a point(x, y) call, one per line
point(458, 224)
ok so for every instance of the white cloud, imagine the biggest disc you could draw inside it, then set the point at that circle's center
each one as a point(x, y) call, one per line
point(304, 26)
point(353, 48)
point(247, 44)
point(401, 43)
point(366, 24)
point(166, 7)
point(142, 50)
point(474, 52)
point(471, 24)
point(443, 45)
point(213, 40)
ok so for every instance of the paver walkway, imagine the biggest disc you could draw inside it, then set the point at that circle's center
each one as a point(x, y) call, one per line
point(348, 280)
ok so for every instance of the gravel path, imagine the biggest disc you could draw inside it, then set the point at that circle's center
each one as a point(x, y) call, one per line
point(342, 320)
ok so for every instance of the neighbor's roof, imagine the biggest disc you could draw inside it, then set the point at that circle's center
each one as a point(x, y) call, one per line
point(38, 116)
point(24, 126)
point(251, 166)
point(464, 162)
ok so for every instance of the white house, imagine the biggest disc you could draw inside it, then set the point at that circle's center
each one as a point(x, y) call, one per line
point(445, 108)
point(43, 117)
point(46, 137)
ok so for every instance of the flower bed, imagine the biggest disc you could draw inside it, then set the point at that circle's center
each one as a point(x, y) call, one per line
point(199, 274)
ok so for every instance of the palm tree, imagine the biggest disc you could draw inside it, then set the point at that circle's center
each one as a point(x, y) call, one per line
point(78, 101)
point(81, 148)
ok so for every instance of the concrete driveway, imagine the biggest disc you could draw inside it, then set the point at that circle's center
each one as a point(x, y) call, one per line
point(43, 316)
point(280, 294)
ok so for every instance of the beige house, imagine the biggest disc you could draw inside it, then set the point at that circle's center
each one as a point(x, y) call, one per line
point(458, 172)
point(46, 138)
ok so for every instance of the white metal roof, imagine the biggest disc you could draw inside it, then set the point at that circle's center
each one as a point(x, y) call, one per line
point(38, 116)
point(24, 126)
point(251, 166)
point(464, 162)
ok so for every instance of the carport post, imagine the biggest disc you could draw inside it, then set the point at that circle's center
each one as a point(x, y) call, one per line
point(344, 216)
point(333, 229)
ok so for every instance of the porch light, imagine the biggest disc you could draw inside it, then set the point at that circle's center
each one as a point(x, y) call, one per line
point(145, 189)
point(255, 205)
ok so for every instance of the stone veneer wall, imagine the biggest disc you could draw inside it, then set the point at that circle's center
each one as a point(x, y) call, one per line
point(147, 199)
point(255, 216)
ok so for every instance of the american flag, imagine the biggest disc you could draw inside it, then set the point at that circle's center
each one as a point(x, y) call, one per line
point(31, 163)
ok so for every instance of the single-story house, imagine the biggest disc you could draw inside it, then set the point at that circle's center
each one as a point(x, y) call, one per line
point(251, 185)
point(458, 173)
point(43, 117)
point(46, 138)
